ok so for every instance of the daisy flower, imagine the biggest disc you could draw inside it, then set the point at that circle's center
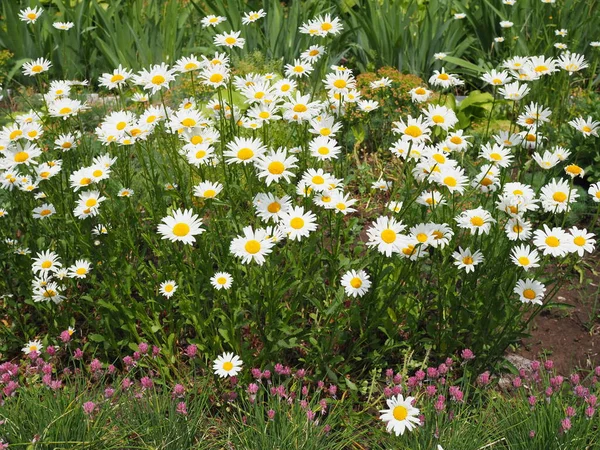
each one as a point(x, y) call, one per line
point(297, 223)
point(36, 67)
point(356, 284)
point(298, 69)
point(547, 160)
point(594, 191)
point(496, 154)
point(339, 82)
point(368, 105)
point(46, 210)
point(181, 226)
point(126, 192)
point(65, 108)
point(116, 79)
point(442, 234)
point(208, 189)
point(444, 80)
point(231, 39)
point(342, 203)
point(215, 76)
point(523, 256)
point(553, 241)
point(300, 108)
point(80, 269)
point(414, 129)
point(270, 207)
point(420, 94)
point(30, 15)
point(514, 91)
point(518, 229)
point(253, 245)
point(530, 291)
point(187, 64)
point(45, 262)
point(326, 25)
point(212, 21)
point(557, 196)
point(384, 234)
point(572, 62)
point(158, 77)
point(464, 259)
point(441, 116)
point(32, 346)
point(244, 150)
point(586, 127)
point(451, 177)
point(253, 16)
point(478, 221)
point(168, 288)
point(456, 141)
point(274, 166)
point(400, 415)
point(221, 280)
point(63, 25)
point(573, 170)
point(313, 53)
point(582, 241)
point(227, 365)
point(496, 78)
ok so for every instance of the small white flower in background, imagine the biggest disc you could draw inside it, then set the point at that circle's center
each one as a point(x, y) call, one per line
point(212, 21)
point(459, 16)
point(356, 284)
point(506, 24)
point(33, 346)
point(400, 415)
point(440, 55)
point(63, 25)
point(30, 15)
point(227, 365)
point(562, 32)
point(168, 288)
point(499, 39)
point(253, 16)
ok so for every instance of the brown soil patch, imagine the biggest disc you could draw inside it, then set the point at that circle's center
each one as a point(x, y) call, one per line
point(570, 335)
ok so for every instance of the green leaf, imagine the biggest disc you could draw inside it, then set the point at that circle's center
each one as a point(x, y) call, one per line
point(98, 338)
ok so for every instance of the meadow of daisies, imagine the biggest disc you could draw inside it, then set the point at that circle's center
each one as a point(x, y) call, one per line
point(230, 250)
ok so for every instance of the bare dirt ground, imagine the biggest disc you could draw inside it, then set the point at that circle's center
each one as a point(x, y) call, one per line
point(570, 335)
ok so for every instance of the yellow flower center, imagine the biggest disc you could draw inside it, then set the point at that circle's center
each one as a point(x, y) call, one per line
point(388, 236)
point(116, 78)
point(64, 111)
point(37, 68)
point(32, 133)
point(200, 154)
point(21, 157)
point(439, 158)
point(341, 206)
point(150, 119)
point(400, 412)
point(32, 16)
point(340, 84)
point(227, 366)
point(523, 260)
point(450, 181)
point(541, 68)
point(181, 229)
point(300, 108)
point(190, 66)
point(216, 78)
point(15, 134)
point(252, 246)
point(326, 26)
point(421, 237)
point(443, 76)
point(529, 294)
point(313, 52)
point(230, 40)
point(221, 280)
point(456, 140)
point(573, 169)
point(413, 131)
point(477, 221)
point(169, 288)
point(121, 125)
point(496, 81)
point(81, 271)
point(559, 197)
point(297, 223)
point(264, 115)
point(46, 264)
point(97, 173)
point(356, 282)
point(158, 79)
point(209, 193)
point(580, 241)
point(274, 207)
point(586, 129)
point(196, 140)
point(285, 87)
point(552, 241)
point(318, 179)
point(467, 260)
point(276, 168)
point(496, 156)
point(438, 118)
point(245, 153)
point(91, 202)
point(420, 91)
point(49, 293)
point(45, 212)
point(188, 122)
